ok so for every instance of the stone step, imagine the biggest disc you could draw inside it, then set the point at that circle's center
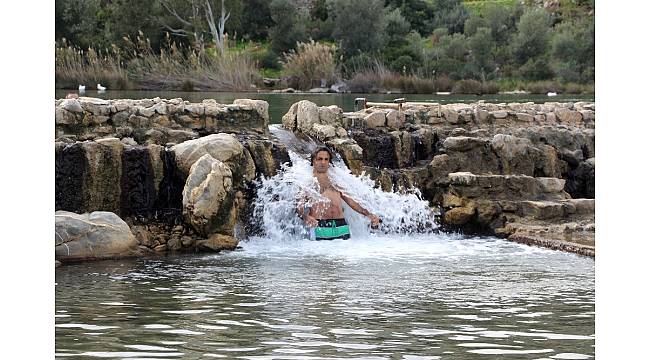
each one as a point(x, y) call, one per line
point(505, 187)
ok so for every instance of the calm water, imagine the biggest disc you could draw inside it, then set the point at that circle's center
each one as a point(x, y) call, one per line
point(280, 103)
point(417, 297)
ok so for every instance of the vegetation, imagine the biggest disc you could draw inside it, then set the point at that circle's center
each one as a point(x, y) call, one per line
point(471, 46)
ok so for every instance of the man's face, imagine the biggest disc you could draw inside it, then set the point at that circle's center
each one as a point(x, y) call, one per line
point(322, 162)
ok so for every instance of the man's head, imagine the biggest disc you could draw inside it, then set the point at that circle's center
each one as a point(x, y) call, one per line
point(321, 159)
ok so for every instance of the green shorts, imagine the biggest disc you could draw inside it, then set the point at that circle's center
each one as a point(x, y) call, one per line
point(331, 229)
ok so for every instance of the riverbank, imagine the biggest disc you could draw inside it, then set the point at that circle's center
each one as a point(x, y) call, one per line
point(180, 175)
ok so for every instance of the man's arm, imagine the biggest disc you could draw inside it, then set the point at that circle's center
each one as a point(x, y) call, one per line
point(358, 208)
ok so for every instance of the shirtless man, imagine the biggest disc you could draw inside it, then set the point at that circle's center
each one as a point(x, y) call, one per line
point(326, 217)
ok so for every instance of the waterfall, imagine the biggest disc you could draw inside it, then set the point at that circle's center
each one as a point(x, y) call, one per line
point(275, 206)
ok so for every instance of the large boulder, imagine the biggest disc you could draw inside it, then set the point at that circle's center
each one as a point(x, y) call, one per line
point(89, 236)
point(208, 197)
point(223, 147)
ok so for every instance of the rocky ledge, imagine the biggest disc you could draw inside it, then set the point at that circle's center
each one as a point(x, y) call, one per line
point(137, 177)
point(522, 171)
point(137, 192)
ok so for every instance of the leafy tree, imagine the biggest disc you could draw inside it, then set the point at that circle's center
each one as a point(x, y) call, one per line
point(256, 19)
point(359, 26)
point(78, 22)
point(419, 13)
point(128, 18)
point(501, 20)
point(397, 27)
point(473, 23)
point(450, 14)
point(289, 28)
point(573, 50)
point(481, 45)
point(532, 36)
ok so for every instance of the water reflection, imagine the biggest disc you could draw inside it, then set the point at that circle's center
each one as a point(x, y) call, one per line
point(470, 299)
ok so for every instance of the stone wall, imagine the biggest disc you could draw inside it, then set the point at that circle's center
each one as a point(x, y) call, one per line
point(156, 121)
point(157, 186)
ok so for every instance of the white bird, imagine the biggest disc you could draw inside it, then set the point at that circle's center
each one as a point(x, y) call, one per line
point(82, 88)
point(550, 93)
point(101, 88)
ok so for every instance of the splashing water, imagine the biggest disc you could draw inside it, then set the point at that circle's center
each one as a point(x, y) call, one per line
point(277, 201)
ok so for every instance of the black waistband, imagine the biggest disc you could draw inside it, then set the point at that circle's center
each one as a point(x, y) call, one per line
point(329, 222)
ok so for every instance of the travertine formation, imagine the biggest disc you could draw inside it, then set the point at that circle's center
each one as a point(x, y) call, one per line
point(524, 171)
point(184, 191)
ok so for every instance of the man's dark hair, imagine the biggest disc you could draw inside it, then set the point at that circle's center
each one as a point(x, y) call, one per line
point(319, 149)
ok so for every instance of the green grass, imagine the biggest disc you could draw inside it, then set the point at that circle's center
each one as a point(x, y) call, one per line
point(476, 6)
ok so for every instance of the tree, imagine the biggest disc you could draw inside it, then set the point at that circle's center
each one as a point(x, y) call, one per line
point(481, 45)
point(217, 30)
point(194, 18)
point(77, 21)
point(450, 14)
point(573, 50)
point(532, 35)
point(419, 13)
point(128, 18)
point(501, 20)
point(289, 28)
point(359, 26)
point(256, 19)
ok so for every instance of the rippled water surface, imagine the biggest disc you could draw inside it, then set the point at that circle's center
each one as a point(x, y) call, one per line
point(420, 297)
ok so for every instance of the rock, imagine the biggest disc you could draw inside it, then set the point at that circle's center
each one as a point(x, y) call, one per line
point(330, 115)
point(351, 153)
point(174, 244)
point(160, 248)
point(319, 90)
point(500, 114)
point(208, 196)
point(218, 242)
point(463, 143)
point(395, 119)
point(339, 87)
point(323, 132)
point(375, 119)
point(223, 147)
point(306, 115)
point(187, 241)
point(89, 236)
point(516, 155)
point(551, 185)
point(72, 105)
point(261, 106)
point(459, 215)
point(541, 210)
point(289, 119)
point(569, 116)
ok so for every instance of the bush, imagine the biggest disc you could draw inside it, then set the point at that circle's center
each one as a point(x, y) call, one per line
point(270, 60)
point(543, 87)
point(404, 64)
point(365, 82)
point(489, 88)
point(311, 63)
point(443, 83)
point(467, 87)
point(536, 69)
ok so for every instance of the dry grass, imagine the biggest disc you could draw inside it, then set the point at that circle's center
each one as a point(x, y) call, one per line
point(137, 66)
point(74, 67)
point(311, 64)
